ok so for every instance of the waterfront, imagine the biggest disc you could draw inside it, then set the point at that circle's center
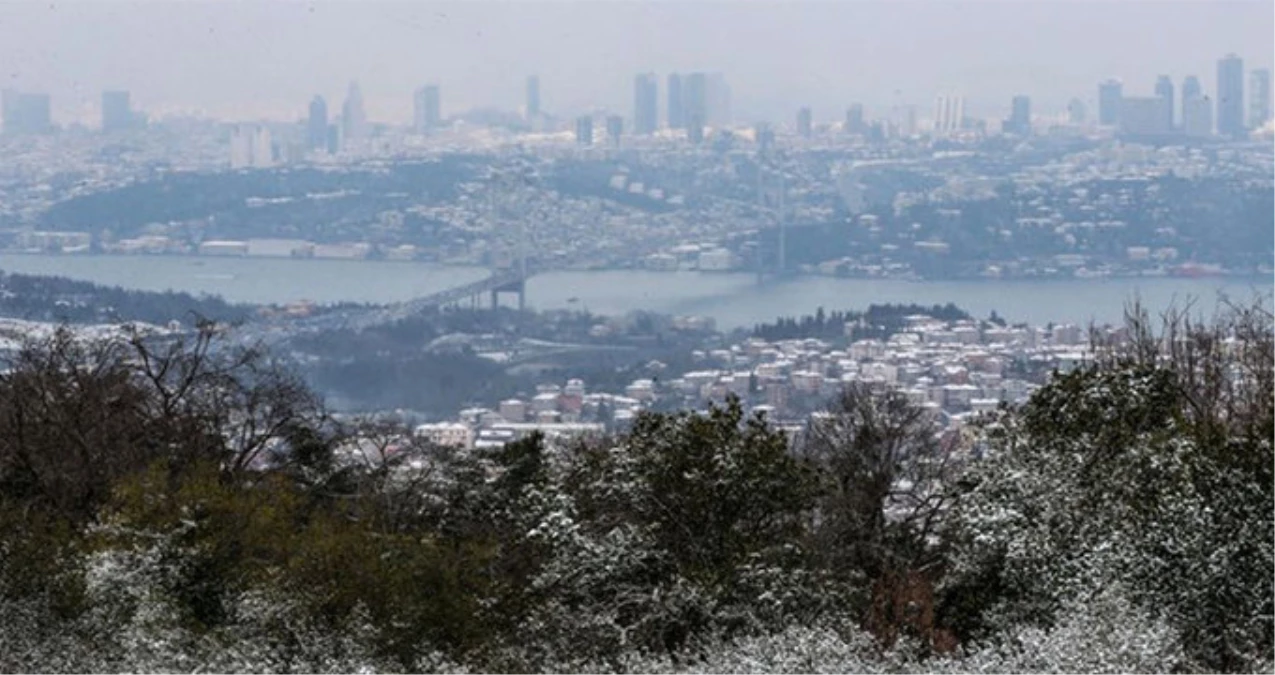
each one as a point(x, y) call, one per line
point(732, 299)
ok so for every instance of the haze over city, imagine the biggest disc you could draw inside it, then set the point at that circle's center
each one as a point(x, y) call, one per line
point(265, 60)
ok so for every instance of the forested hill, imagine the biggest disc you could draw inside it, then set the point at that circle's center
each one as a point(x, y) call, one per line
point(58, 299)
point(877, 321)
point(180, 506)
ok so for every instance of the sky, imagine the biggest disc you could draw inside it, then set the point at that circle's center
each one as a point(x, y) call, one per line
point(265, 59)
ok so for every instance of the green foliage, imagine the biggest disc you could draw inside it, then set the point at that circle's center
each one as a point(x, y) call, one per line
point(170, 505)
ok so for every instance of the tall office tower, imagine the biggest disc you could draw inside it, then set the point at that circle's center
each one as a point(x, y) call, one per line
point(1197, 116)
point(805, 123)
point(645, 104)
point(316, 128)
point(533, 97)
point(765, 137)
point(426, 108)
point(615, 129)
point(695, 102)
point(676, 105)
point(251, 147)
point(584, 130)
point(262, 148)
point(1076, 111)
point(117, 114)
point(353, 117)
point(854, 119)
point(1164, 90)
point(1230, 96)
point(1109, 95)
point(1020, 117)
point(1191, 87)
point(1259, 98)
point(949, 114)
point(716, 101)
point(1144, 116)
point(26, 113)
point(334, 139)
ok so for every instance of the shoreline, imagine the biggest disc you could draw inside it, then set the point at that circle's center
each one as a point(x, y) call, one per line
point(1224, 275)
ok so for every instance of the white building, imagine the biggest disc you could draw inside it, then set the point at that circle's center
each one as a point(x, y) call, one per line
point(450, 434)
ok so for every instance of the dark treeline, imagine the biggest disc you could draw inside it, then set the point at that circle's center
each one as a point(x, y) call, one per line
point(58, 299)
point(173, 504)
point(877, 321)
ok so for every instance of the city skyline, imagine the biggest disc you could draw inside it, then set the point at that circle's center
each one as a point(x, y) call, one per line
point(282, 54)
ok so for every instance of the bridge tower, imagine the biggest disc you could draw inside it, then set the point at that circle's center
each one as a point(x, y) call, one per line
point(774, 206)
point(504, 184)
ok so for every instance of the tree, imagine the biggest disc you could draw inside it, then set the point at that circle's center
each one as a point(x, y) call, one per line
point(886, 489)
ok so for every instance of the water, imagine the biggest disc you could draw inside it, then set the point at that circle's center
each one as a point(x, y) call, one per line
point(732, 299)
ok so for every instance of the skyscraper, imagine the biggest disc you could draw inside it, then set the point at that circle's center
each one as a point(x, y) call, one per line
point(1196, 109)
point(854, 119)
point(949, 114)
point(251, 147)
point(533, 97)
point(804, 123)
point(1197, 116)
point(1259, 98)
point(1164, 91)
point(695, 101)
point(353, 118)
point(1230, 96)
point(1191, 87)
point(645, 104)
point(426, 108)
point(584, 130)
point(316, 128)
point(25, 113)
point(615, 129)
point(1020, 117)
point(1109, 95)
point(117, 115)
point(676, 107)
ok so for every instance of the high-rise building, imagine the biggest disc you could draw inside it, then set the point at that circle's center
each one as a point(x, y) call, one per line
point(1197, 116)
point(1076, 111)
point(1230, 96)
point(353, 117)
point(584, 130)
point(117, 114)
point(676, 105)
point(316, 128)
point(1164, 90)
point(533, 97)
point(1109, 95)
point(426, 109)
point(854, 119)
point(645, 104)
point(1020, 117)
point(1259, 98)
point(805, 123)
point(1144, 116)
point(615, 129)
point(765, 137)
point(251, 147)
point(949, 114)
point(26, 113)
point(1191, 87)
point(695, 101)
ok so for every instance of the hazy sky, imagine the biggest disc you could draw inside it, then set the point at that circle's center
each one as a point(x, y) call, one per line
point(263, 58)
